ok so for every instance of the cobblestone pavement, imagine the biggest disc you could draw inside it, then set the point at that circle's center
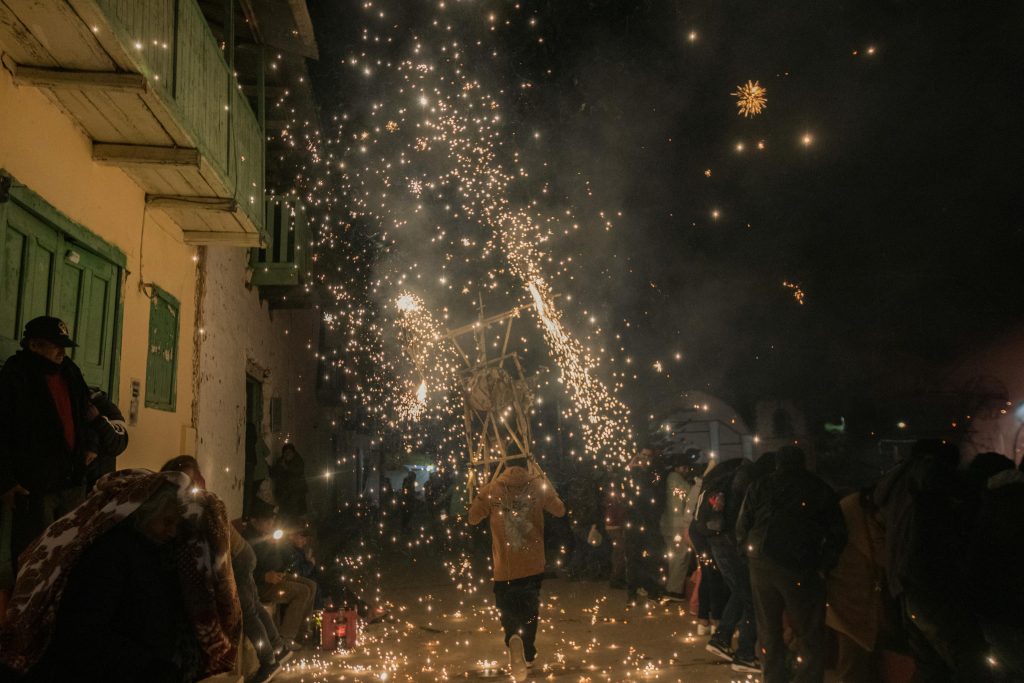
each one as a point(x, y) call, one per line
point(587, 635)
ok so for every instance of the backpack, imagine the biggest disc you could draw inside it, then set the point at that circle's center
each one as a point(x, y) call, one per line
point(709, 515)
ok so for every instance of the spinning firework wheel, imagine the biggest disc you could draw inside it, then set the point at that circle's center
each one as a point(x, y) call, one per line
point(497, 398)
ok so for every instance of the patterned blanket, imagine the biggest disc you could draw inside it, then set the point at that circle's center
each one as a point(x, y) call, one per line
point(203, 559)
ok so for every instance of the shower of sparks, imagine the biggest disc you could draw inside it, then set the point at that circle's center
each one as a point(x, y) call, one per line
point(751, 98)
point(432, 357)
point(798, 294)
point(466, 181)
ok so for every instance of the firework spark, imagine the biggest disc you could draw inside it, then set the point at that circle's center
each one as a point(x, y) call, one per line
point(751, 98)
point(798, 293)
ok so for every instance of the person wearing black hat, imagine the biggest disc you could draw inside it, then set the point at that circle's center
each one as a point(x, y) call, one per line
point(45, 440)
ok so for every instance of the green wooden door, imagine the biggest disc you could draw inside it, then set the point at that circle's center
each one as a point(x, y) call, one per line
point(29, 256)
point(43, 271)
point(86, 299)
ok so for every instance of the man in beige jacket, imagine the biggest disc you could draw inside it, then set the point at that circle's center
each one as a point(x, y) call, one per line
point(516, 502)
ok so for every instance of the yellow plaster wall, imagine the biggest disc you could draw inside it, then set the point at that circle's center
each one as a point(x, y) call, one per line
point(44, 150)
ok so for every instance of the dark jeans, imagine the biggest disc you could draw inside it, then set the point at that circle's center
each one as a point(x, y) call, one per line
point(739, 610)
point(778, 590)
point(712, 594)
point(257, 623)
point(518, 603)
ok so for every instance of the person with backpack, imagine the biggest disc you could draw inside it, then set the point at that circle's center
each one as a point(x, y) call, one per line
point(792, 531)
point(718, 507)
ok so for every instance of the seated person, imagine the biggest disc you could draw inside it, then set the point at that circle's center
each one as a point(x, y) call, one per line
point(257, 625)
point(273, 581)
point(302, 561)
point(126, 609)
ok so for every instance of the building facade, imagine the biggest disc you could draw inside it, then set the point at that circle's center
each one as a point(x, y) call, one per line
point(133, 204)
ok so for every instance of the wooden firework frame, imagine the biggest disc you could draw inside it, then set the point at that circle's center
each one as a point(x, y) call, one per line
point(500, 433)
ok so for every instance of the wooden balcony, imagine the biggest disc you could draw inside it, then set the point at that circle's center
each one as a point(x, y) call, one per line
point(149, 84)
point(283, 262)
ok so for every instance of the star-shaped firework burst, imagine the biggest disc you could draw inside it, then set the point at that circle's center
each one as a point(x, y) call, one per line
point(751, 98)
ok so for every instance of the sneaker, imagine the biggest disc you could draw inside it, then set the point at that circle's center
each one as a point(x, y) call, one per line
point(720, 651)
point(745, 666)
point(674, 597)
point(530, 662)
point(266, 672)
point(292, 646)
point(516, 659)
point(702, 629)
point(284, 657)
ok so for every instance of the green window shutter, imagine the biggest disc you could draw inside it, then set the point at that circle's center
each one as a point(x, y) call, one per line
point(162, 355)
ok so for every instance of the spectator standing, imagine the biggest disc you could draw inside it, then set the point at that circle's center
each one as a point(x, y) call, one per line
point(994, 558)
point(583, 495)
point(272, 582)
point(257, 624)
point(290, 488)
point(921, 502)
point(515, 504)
point(615, 526)
point(792, 531)
point(45, 415)
point(106, 420)
point(857, 592)
point(682, 487)
point(408, 500)
point(645, 498)
point(718, 507)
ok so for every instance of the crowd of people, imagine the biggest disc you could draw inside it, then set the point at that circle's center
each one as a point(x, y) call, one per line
point(784, 575)
point(135, 575)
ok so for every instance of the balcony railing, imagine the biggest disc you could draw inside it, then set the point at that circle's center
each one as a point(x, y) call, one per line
point(283, 262)
point(150, 84)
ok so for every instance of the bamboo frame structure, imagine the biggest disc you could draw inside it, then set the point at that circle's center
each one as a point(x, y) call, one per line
point(496, 396)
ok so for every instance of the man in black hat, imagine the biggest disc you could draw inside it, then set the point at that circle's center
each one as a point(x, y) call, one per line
point(45, 440)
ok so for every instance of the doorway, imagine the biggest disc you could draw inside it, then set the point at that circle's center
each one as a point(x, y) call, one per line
point(255, 471)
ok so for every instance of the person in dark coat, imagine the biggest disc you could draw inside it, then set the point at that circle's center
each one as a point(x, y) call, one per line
point(583, 502)
point(718, 506)
point(290, 488)
point(921, 503)
point(111, 433)
point(792, 531)
point(994, 558)
point(643, 542)
point(45, 420)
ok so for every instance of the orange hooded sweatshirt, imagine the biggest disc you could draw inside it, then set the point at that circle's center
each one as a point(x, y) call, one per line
point(516, 502)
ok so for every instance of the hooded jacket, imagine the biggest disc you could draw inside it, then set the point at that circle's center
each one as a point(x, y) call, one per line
point(33, 451)
point(516, 502)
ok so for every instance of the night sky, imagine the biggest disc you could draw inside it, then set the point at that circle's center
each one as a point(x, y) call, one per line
point(901, 220)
